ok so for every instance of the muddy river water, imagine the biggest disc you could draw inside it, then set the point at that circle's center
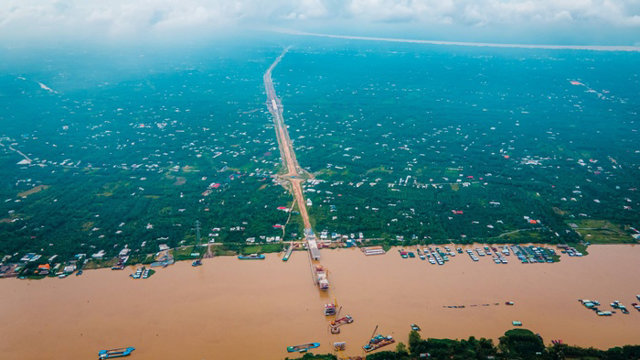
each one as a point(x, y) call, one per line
point(232, 309)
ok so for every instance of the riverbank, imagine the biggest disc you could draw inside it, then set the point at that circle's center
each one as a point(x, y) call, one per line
point(254, 309)
point(184, 253)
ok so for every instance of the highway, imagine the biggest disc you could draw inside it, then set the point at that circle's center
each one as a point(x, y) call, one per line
point(294, 174)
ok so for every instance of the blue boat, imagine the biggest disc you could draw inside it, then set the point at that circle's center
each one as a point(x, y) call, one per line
point(303, 347)
point(251, 257)
point(115, 353)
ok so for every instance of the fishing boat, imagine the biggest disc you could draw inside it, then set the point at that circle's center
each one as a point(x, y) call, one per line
point(251, 257)
point(115, 353)
point(516, 323)
point(79, 272)
point(302, 347)
point(197, 262)
point(415, 327)
point(339, 346)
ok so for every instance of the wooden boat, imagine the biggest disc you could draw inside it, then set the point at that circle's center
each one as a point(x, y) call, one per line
point(115, 353)
point(302, 347)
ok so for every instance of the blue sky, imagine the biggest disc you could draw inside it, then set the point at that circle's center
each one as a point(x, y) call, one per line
point(552, 21)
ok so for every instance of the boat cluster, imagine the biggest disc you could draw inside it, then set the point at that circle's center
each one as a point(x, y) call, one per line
point(141, 273)
point(594, 305)
point(526, 254)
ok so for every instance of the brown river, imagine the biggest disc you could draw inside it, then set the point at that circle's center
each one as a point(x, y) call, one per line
point(232, 309)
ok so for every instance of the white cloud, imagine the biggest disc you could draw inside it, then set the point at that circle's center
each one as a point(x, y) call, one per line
point(118, 18)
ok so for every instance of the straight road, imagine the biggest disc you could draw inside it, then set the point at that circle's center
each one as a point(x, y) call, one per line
point(294, 175)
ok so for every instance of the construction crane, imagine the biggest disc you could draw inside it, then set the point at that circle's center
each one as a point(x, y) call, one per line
point(374, 332)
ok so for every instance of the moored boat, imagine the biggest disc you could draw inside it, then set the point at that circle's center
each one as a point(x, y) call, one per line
point(251, 257)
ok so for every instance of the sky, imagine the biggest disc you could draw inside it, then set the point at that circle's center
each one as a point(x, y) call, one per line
point(601, 22)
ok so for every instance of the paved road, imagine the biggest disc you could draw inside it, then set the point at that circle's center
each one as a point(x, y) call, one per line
point(295, 175)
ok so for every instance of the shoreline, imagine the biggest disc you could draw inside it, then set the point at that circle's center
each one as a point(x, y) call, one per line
point(226, 252)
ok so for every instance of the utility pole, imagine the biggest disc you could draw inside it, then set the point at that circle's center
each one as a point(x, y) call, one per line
point(198, 232)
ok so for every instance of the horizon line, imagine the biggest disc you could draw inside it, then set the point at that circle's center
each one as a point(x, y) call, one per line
point(467, 43)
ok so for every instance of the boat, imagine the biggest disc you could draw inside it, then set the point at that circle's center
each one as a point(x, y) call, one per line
point(411, 254)
point(339, 346)
point(321, 277)
point(342, 321)
point(377, 342)
point(79, 272)
point(115, 353)
point(197, 262)
point(509, 303)
point(146, 273)
point(137, 274)
point(415, 327)
point(302, 347)
point(251, 257)
point(516, 323)
point(329, 309)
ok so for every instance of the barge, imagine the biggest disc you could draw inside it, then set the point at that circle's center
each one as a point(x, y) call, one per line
point(320, 274)
point(377, 342)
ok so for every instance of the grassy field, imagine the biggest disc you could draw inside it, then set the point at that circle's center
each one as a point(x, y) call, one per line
point(601, 231)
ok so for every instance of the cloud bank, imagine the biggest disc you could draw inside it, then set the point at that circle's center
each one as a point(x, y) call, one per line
point(121, 19)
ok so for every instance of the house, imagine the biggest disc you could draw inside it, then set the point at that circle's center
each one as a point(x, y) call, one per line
point(44, 269)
